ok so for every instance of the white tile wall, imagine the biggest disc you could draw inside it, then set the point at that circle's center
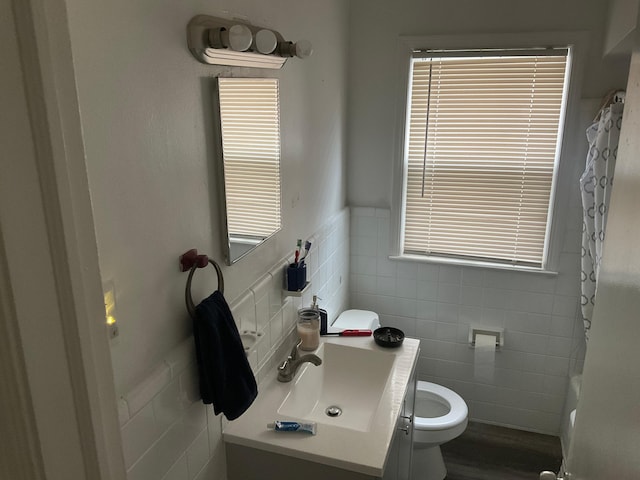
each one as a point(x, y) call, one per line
point(167, 433)
point(437, 303)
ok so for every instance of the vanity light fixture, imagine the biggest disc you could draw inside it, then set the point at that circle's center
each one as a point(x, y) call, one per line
point(217, 41)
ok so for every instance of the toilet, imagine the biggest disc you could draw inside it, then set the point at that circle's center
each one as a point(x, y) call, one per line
point(440, 415)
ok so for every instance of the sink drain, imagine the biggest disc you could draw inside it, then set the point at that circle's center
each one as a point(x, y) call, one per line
point(333, 411)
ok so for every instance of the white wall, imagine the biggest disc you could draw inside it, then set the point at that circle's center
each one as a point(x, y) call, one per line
point(147, 119)
point(146, 115)
point(436, 303)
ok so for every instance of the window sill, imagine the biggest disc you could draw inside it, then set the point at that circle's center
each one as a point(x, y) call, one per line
point(471, 263)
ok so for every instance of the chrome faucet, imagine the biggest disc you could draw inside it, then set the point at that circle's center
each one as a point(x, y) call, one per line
point(287, 370)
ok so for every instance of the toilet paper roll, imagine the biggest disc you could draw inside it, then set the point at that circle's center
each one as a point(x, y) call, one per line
point(484, 358)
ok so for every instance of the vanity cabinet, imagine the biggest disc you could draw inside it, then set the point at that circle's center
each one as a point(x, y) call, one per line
point(401, 454)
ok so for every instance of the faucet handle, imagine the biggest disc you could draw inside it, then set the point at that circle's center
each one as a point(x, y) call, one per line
point(284, 364)
point(294, 351)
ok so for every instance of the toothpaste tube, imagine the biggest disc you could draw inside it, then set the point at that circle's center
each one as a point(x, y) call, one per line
point(280, 426)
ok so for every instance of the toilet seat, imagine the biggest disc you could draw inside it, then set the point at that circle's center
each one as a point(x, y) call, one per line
point(458, 410)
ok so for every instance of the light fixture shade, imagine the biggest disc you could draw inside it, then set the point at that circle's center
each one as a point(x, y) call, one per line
point(304, 48)
point(266, 41)
point(218, 41)
point(240, 38)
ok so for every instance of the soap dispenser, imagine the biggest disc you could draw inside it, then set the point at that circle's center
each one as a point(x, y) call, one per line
point(323, 315)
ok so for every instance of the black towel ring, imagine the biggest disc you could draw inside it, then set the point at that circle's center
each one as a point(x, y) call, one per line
point(191, 261)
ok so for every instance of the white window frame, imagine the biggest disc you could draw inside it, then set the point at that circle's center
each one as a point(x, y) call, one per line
point(559, 196)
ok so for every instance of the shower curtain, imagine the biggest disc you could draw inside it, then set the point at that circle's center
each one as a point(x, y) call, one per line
point(596, 184)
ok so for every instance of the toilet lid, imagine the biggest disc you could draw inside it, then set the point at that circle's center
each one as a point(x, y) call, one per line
point(458, 410)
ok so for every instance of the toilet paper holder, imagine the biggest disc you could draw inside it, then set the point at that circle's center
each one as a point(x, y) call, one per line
point(481, 330)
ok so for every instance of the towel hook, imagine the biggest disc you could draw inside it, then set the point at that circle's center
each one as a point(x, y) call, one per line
point(190, 260)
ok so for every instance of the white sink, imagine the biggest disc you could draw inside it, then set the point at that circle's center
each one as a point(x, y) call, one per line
point(366, 381)
point(352, 379)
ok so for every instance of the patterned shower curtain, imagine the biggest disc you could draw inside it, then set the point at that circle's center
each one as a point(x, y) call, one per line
point(596, 184)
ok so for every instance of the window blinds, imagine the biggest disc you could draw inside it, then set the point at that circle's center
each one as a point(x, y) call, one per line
point(250, 124)
point(480, 152)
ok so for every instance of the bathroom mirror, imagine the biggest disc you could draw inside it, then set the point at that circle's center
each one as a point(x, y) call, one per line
point(248, 148)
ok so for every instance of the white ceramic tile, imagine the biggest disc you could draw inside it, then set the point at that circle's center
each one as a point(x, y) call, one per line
point(261, 287)
point(386, 305)
point(565, 306)
point(562, 326)
point(447, 312)
point(407, 270)
point(406, 324)
point(189, 384)
point(386, 285)
point(470, 295)
point(473, 276)
point(527, 342)
point(557, 366)
point(407, 288)
point(364, 226)
point(123, 411)
point(426, 310)
point(143, 393)
point(178, 471)
point(455, 370)
point(276, 328)
point(555, 385)
point(491, 317)
point(277, 271)
point(364, 264)
point(139, 434)
point(362, 212)
point(159, 459)
point(366, 284)
point(531, 382)
point(181, 357)
point(386, 267)
point(428, 272)
point(450, 274)
point(169, 404)
point(244, 311)
point(446, 351)
point(532, 363)
point(496, 298)
point(464, 353)
point(446, 332)
point(448, 293)
point(497, 279)
point(427, 291)
point(263, 311)
point(559, 347)
point(426, 329)
point(214, 427)
point(198, 454)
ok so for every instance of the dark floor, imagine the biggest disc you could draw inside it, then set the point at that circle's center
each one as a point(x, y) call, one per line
point(487, 452)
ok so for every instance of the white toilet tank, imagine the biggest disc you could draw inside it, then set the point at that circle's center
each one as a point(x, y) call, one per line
point(356, 319)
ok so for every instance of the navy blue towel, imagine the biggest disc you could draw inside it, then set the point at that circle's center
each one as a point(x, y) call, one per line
point(226, 379)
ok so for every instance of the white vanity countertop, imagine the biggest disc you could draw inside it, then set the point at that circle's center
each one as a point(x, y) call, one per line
point(359, 451)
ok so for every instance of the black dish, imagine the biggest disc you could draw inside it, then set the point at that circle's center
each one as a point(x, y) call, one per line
point(388, 337)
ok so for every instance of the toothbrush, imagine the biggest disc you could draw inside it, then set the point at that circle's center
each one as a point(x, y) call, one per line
point(307, 247)
point(298, 247)
point(352, 333)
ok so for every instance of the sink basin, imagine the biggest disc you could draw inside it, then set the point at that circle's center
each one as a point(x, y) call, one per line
point(350, 378)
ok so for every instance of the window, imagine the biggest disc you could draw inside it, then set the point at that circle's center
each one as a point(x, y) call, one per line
point(482, 141)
